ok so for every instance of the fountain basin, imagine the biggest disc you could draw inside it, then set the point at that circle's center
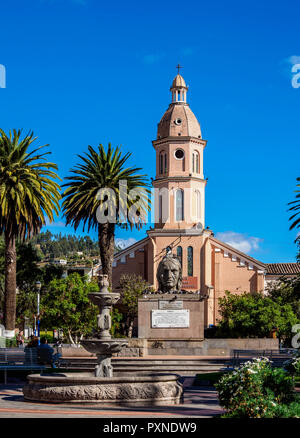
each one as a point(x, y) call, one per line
point(104, 346)
point(104, 299)
point(140, 390)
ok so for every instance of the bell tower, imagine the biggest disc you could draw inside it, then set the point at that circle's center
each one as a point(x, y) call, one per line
point(179, 183)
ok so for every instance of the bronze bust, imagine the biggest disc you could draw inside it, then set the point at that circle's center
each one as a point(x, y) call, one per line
point(169, 274)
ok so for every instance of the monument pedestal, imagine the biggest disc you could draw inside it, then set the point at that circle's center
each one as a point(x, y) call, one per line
point(171, 317)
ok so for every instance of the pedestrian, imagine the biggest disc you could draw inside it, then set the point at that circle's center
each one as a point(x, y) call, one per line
point(46, 353)
point(20, 339)
point(33, 342)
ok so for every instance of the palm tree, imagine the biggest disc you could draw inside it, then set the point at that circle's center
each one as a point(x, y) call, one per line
point(27, 196)
point(295, 208)
point(93, 192)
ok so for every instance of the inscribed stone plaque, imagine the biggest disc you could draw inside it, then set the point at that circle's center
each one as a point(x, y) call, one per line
point(170, 318)
point(169, 305)
point(189, 282)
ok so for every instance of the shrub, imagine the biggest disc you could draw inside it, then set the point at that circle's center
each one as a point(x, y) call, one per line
point(11, 342)
point(262, 407)
point(293, 365)
point(245, 382)
point(291, 410)
point(254, 315)
point(279, 383)
point(252, 407)
point(256, 390)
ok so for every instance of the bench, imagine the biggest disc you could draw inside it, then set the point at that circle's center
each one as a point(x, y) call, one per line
point(19, 359)
point(45, 357)
point(276, 356)
point(32, 359)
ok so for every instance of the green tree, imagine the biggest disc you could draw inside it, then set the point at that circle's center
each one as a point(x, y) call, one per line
point(65, 305)
point(28, 194)
point(104, 170)
point(132, 288)
point(286, 291)
point(26, 307)
point(51, 272)
point(28, 271)
point(116, 323)
point(254, 315)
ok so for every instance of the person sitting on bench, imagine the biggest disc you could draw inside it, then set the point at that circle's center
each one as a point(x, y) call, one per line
point(46, 353)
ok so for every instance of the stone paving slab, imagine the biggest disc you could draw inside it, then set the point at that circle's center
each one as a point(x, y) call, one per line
point(199, 402)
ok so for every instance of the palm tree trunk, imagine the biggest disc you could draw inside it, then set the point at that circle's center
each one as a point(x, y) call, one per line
point(10, 282)
point(106, 239)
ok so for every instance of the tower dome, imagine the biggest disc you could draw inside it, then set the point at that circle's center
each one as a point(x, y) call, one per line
point(178, 82)
point(178, 120)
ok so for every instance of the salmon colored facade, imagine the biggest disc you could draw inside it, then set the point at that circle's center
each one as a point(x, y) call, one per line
point(208, 265)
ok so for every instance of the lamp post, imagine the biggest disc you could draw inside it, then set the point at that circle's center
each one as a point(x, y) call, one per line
point(38, 286)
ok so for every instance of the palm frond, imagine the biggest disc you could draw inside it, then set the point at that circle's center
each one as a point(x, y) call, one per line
point(98, 170)
point(28, 190)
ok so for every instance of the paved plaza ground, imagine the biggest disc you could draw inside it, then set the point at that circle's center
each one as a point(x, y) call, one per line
point(199, 402)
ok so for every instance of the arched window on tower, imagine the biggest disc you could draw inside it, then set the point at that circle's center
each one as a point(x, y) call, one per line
point(197, 201)
point(195, 162)
point(161, 163)
point(166, 165)
point(160, 209)
point(179, 205)
point(190, 261)
point(179, 254)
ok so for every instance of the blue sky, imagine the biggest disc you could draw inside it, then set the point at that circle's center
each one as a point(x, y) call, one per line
point(82, 72)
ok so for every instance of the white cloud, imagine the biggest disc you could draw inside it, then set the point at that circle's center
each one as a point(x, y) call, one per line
point(240, 241)
point(152, 58)
point(54, 224)
point(124, 243)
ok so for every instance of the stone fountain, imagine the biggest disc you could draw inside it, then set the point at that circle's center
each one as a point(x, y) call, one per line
point(104, 346)
point(101, 386)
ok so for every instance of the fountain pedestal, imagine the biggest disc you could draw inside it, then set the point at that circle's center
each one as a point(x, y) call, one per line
point(104, 349)
point(104, 346)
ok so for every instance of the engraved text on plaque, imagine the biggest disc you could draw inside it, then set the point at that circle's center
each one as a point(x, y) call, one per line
point(170, 318)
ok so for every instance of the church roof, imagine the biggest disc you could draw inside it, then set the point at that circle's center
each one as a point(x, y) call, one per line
point(283, 268)
point(240, 254)
point(136, 245)
point(179, 119)
point(178, 82)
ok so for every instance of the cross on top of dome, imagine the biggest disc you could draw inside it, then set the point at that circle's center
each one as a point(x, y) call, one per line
point(178, 87)
point(179, 67)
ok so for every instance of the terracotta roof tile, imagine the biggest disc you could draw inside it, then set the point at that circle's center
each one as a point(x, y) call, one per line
point(283, 268)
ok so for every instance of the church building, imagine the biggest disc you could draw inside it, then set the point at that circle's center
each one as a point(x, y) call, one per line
point(209, 266)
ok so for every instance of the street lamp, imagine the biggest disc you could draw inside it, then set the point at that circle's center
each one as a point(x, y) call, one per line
point(38, 286)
